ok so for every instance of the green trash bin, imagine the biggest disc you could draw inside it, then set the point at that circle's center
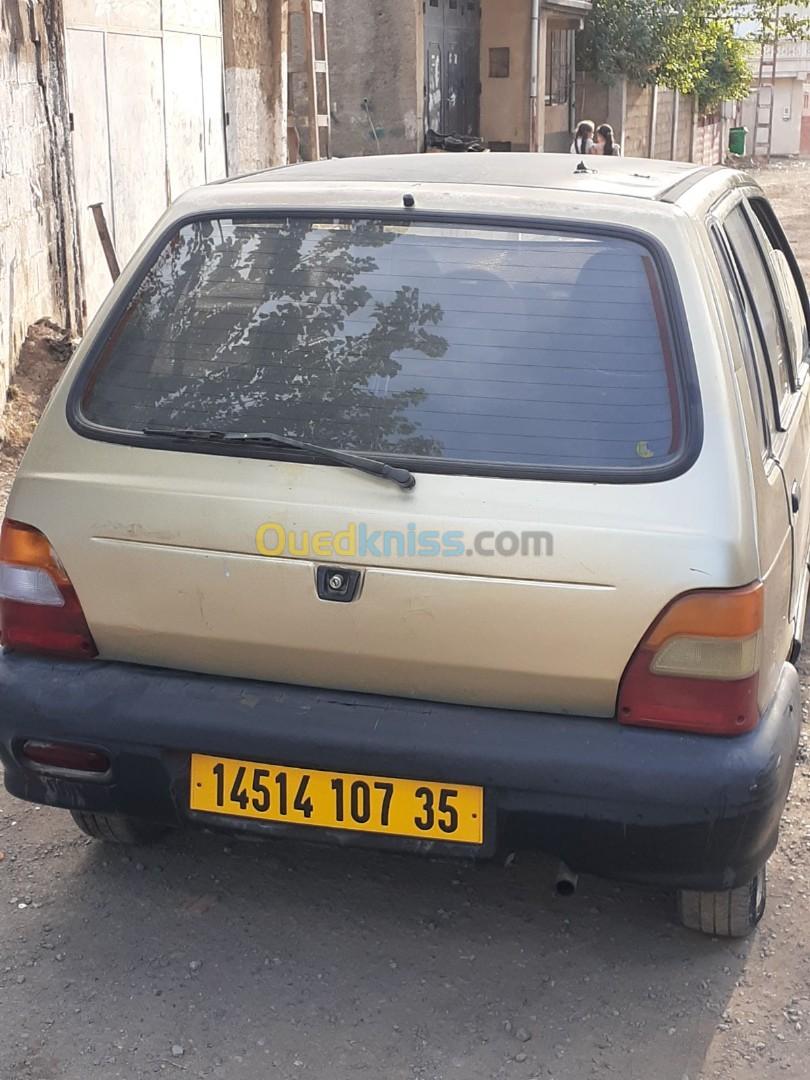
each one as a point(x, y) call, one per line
point(736, 141)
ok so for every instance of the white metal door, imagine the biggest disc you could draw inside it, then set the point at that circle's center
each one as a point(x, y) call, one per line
point(87, 86)
point(213, 96)
point(137, 141)
point(185, 119)
point(146, 95)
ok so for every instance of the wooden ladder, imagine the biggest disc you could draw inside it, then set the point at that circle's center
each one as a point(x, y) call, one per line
point(766, 88)
point(316, 116)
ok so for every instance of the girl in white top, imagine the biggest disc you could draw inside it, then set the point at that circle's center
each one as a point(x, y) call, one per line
point(583, 140)
point(606, 143)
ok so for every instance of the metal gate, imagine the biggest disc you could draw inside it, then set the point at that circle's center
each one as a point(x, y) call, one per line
point(452, 76)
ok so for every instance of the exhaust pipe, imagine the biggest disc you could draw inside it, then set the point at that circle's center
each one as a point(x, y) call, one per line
point(565, 883)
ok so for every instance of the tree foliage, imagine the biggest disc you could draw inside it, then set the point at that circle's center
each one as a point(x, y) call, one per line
point(623, 39)
point(686, 45)
point(791, 26)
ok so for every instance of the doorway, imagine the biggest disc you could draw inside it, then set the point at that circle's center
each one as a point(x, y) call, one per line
point(452, 75)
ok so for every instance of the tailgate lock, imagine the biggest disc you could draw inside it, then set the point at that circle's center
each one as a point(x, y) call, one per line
point(337, 583)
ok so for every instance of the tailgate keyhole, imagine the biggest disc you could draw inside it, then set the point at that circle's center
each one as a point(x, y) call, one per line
point(337, 583)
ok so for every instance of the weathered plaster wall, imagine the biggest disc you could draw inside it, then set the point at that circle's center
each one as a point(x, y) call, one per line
point(255, 48)
point(375, 55)
point(505, 101)
point(38, 247)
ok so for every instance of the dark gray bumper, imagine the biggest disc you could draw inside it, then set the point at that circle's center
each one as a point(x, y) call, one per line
point(665, 808)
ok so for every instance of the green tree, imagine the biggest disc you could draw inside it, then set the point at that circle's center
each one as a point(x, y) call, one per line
point(704, 55)
point(624, 39)
point(685, 45)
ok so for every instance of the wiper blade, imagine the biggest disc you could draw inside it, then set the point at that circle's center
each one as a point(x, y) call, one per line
point(369, 465)
point(183, 433)
point(403, 477)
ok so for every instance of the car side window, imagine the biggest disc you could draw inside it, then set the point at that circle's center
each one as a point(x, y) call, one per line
point(764, 306)
point(755, 365)
point(789, 282)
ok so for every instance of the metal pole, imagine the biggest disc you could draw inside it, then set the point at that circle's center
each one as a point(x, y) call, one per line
point(106, 240)
point(533, 97)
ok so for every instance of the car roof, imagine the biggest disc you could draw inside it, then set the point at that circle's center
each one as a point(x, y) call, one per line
point(639, 178)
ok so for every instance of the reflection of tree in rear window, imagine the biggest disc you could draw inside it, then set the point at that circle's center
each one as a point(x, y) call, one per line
point(474, 345)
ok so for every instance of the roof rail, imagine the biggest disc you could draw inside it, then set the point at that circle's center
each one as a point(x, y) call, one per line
point(673, 193)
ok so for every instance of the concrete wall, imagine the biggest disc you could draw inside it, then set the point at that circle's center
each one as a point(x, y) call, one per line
point(557, 134)
point(593, 101)
point(505, 102)
point(708, 145)
point(602, 104)
point(254, 42)
point(38, 248)
point(376, 55)
point(677, 134)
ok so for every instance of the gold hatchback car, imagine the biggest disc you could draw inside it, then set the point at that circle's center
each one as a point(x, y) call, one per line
point(450, 504)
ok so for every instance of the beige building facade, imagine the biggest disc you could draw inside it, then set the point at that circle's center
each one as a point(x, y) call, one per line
point(503, 70)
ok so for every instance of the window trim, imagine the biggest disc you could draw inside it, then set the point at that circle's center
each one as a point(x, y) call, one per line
point(685, 370)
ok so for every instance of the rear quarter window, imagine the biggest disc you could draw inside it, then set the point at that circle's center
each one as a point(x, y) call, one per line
point(485, 348)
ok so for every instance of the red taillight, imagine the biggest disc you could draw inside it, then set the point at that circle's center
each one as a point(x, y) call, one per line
point(697, 669)
point(65, 756)
point(39, 609)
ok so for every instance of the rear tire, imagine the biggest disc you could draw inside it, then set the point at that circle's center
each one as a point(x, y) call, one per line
point(730, 913)
point(117, 829)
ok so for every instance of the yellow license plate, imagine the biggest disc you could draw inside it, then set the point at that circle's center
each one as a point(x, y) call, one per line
point(331, 800)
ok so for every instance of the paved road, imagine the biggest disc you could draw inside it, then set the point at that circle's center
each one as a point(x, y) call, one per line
point(207, 958)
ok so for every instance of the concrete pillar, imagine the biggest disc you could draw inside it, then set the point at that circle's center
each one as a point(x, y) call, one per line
point(653, 131)
point(254, 39)
point(617, 109)
point(693, 136)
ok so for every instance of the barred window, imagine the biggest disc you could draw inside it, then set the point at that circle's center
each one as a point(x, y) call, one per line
point(558, 66)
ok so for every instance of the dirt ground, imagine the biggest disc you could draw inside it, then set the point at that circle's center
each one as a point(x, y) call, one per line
point(209, 958)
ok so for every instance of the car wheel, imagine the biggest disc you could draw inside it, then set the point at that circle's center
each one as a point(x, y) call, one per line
point(730, 913)
point(117, 829)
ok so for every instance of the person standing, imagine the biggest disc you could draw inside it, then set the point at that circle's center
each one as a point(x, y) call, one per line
point(583, 139)
point(606, 142)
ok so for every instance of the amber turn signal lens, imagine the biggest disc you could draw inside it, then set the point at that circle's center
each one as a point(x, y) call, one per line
point(23, 545)
point(711, 613)
point(39, 609)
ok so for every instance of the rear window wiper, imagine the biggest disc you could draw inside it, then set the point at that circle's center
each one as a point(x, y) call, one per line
point(369, 465)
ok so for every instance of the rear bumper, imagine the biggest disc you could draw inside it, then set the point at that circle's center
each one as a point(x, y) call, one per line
point(662, 808)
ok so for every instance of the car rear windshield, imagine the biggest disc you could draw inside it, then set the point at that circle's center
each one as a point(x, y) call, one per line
point(427, 341)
